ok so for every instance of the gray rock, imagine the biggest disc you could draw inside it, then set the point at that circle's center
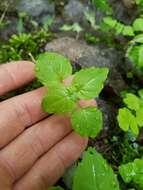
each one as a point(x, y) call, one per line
point(109, 113)
point(122, 12)
point(83, 55)
point(9, 30)
point(74, 11)
point(31, 7)
point(35, 8)
point(71, 48)
point(129, 3)
point(109, 122)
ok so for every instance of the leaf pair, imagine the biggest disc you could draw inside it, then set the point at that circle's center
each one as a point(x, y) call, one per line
point(131, 117)
point(52, 69)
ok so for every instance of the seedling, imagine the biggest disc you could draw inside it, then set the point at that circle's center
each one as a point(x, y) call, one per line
point(51, 70)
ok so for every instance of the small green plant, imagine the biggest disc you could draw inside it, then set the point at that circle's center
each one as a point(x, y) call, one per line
point(130, 117)
point(72, 27)
point(103, 5)
point(93, 173)
point(135, 51)
point(112, 24)
point(90, 17)
point(21, 45)
point(133, 172)
point(51, 70)
point(20, 24)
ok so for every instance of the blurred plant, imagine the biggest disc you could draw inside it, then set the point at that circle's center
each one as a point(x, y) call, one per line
point(133, 172)
point(19, 46)
point(135, 51)
point(20, 24)
point(109, 24)
point(73, 27)
point(90, 17)
point(130, 117)
point(47, 22)
point(103, 5)
point(2, 22)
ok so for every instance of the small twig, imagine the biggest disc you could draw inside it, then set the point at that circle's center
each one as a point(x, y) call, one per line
point(3, 14)
point(32, 58)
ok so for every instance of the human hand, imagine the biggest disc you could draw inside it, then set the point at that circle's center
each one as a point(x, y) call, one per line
point(35, 149)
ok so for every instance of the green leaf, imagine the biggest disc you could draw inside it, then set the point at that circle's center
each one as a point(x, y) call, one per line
point(140, 59)
point(52, 68)
point(127, 120)
point(87, 121)
point(119, 28)
point(140, 93)
point(138, 39)
point(103, 6)
point(138, 25)
point(77, 28)
point(110, 21)
point(74, 27)
point(127, 172)
point(132, 101)
point(89, 82)
point(66, 27)
point(128, 31)
point(122, 119)
point(59, 99)
point(93, 173)
point(132, 172)
point(139, 2)
point(139, 117)
point(133, 124)
point(56, 188)
point(133, 54)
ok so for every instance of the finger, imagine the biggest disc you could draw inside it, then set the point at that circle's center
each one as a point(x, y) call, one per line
point(21, 154)
point(18, 113)
point(49, 168)
point(15, 74)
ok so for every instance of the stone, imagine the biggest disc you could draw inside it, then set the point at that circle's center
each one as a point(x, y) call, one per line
point(74, 11)
point(35, 8)
point(83, 55)
point(31, 7)
point(122, 12)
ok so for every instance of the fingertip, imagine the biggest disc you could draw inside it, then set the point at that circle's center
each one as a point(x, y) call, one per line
point(85, 103)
